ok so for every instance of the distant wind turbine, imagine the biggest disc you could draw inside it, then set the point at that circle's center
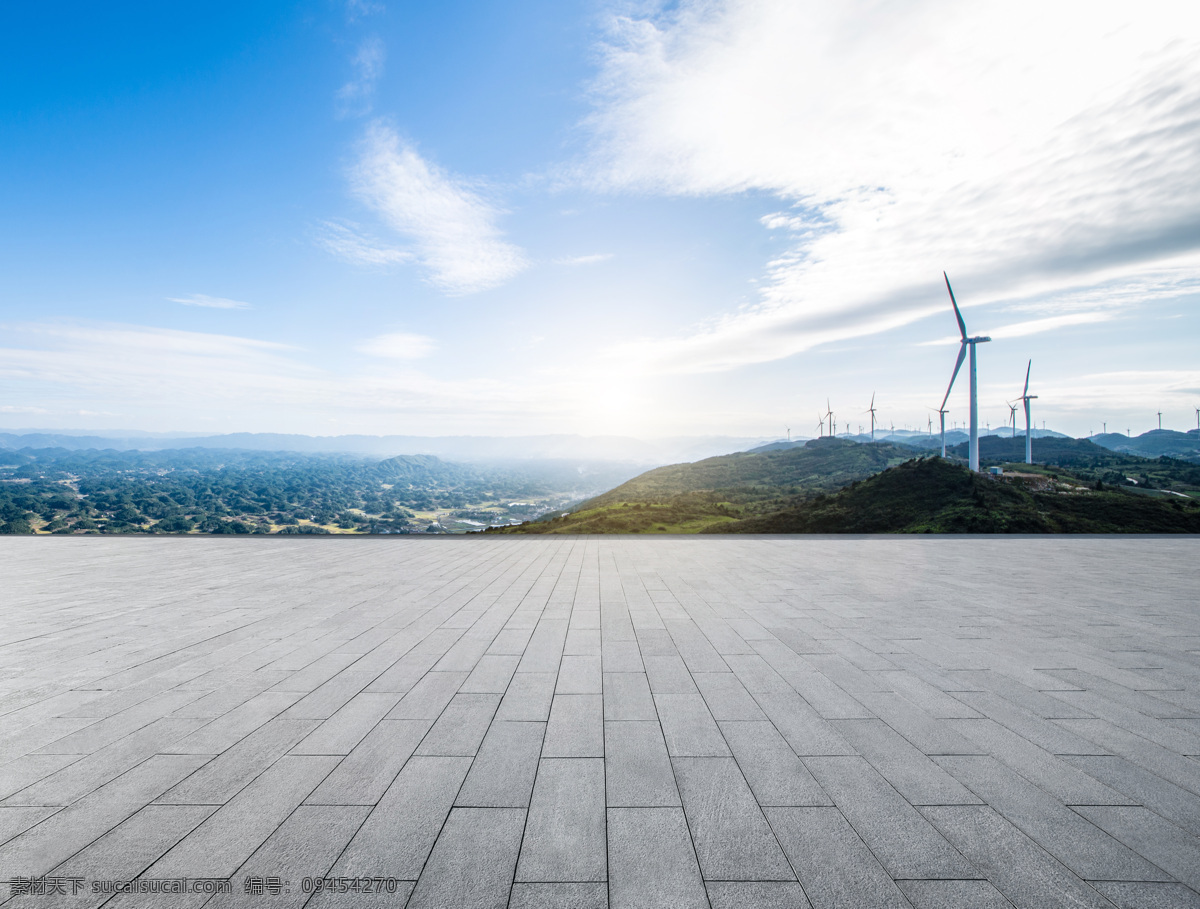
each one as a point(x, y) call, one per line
point(832, 422)
point(1160, 419)
point(964, 344)
point(1198, 417)
point(1027, 397)
point(1012, 416)
point(789, 432)
point(871, 411)
point(820, 425)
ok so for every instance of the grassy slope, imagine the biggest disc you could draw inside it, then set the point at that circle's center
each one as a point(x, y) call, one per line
point(687, 498)
point(934, 496)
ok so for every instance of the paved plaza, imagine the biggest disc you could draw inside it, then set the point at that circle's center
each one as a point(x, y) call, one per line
point(591, 722)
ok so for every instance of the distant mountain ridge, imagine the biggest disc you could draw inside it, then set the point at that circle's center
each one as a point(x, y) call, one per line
point(460, 448)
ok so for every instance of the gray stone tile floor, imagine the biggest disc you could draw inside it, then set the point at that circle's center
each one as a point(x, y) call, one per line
point(591, 722)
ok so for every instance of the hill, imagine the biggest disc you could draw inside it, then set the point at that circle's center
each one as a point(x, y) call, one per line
point(932, 495)
point(685, 498)
point(1156, 443)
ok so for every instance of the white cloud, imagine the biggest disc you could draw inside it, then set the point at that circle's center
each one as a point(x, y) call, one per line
point(592, 259)
point(1031, 327)
point(344, 241)
point(398, 346)
point(209, 302)
point(355, 97)
point(164, 375)
point(452, 226)
point(1030, 149)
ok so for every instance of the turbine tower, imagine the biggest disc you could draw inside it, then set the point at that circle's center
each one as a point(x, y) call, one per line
point(871, 411)
point(942, 421)
point(829, 416)
point(1027, 397)
point(1160, 419)
point(964, 344)
point(820, 425)
point(1012, 416)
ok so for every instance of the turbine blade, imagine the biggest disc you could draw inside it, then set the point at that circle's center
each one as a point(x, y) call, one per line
point(1025, 393)
point(962, 326)
point(962, 355)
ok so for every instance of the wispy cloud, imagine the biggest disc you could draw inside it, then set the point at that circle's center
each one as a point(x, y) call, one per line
point(1032, 151)
point(356, 9)
point(345, 241)
point(398, 346)
point(592, 259)
point(451, 225)
point(157, 374)
point(1032, 327)
point(209, 302)
point(355, 98)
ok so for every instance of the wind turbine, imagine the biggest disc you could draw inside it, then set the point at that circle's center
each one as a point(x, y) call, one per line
point(871, 411)
point(1027, 397)
point(832, 423)
point(973, 448)
point(820, 425)
point(1160, 419)
point(1198, 417)
point(929, 427)
point(942, 421)
point(789, 432)
point(1012, 416)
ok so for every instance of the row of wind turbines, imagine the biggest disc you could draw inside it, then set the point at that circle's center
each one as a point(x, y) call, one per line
point(969, 344)
point(966, 346)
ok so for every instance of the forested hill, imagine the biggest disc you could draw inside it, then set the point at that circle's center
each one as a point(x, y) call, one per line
point(685, 498)
point(820, 465)
point(931, 495)
point(215, 491)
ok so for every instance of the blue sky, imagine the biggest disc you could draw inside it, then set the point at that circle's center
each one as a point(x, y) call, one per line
point(636, 218)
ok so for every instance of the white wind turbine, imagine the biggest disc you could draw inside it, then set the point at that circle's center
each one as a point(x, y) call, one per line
point(829, 415)
point(973, 447)
point(1012, 418)
point(820, 425)
point(871, 411)
point(1027, 397)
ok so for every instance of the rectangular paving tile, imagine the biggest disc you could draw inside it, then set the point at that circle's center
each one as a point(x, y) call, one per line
point(651, 861)
point(472, 863)
point(637, 769)
point(559, 896)
point(920, 780)
point(576, 727)
point(362, 777)
point(230, 835)
point(1078, 844)
point(627, 697)
point(733, 840)
point(565, 833)
point(503, 772)
point(1020, 869)
point(688, 726)
point(462, 725)
point(905, 843)
point(833, 864)
point(1152, 837)
point(528, 698)
point(776, 776)
point(398, 834)
point(428, 697)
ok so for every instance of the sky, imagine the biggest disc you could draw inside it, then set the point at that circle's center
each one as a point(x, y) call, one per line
point(637, 218)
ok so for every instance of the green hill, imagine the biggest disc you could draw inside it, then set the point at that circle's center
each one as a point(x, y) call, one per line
point(1155, 443)
point(686, 498)
point(931, 495)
